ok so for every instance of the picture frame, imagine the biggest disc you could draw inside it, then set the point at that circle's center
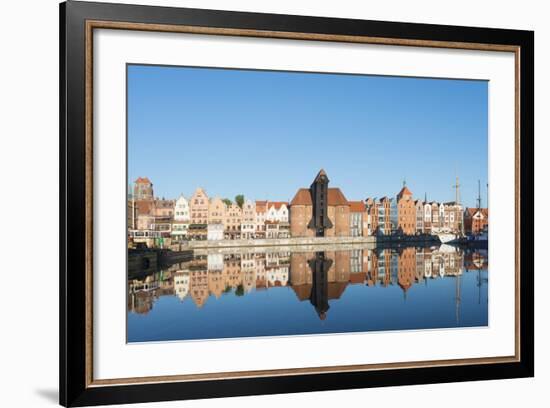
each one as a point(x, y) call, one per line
point(78, 20)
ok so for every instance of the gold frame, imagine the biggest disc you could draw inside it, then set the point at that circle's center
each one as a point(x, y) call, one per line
point(99, 24)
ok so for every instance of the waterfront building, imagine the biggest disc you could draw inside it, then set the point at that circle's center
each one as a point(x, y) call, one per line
point(356, 215)
point(371, 211)
point(216, 211)
point(419, 214)
point(143, 189)
point(453, 220)
point(436, 217)
point(233, 221)
point(163, 208)
point(215, 232)
point(197, 232)
point(199, 206)
point(260, 218)
point(181, 210)
point(277, 211)
point(427, 217)
point(305, 222)
point(131, 214)
point(144, 207)
point(179, 231)
point(475, 220)
point(162, 226)
point(387, 212)
point(181, 220)
point(144, 222)
point(277, 220)
point(248, 223)
point(406, 212)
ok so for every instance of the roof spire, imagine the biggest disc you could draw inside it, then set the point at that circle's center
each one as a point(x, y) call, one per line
point(404, 182)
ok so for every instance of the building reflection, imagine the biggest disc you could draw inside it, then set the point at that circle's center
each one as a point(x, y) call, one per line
point(316, 277)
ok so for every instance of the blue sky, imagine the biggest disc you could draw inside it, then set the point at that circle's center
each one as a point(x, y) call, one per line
point(265, 134)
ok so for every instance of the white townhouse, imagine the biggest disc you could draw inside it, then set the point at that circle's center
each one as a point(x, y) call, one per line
point(248, 222)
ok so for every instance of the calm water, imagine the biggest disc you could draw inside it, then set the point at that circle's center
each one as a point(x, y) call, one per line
point(253, 293)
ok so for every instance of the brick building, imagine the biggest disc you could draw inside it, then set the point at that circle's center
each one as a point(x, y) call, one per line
point(475, 220)
point(329, 201)
point(406, 212)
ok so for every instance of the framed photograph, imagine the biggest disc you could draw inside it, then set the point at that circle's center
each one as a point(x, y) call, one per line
point(256, 203)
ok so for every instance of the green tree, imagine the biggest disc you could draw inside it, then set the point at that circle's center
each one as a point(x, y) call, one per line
point(227, 201)
point(239, 199)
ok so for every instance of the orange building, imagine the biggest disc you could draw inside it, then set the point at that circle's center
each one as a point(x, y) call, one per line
point(406, 212)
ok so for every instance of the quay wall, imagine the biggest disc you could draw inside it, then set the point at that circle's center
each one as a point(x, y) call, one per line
point(227, 243)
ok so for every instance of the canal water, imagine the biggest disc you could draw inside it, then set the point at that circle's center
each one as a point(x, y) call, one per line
point(287, 291)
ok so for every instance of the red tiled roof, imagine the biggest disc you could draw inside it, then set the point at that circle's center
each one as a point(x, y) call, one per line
point(335, 197)
point(142, 180)
point(277, 204)
point(302, 197)
point(357, 206)
point(261, 206)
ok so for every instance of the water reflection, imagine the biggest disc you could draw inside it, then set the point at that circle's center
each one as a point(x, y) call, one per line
point(252, 289)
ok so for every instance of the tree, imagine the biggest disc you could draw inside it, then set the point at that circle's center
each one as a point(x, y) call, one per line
point(227, 201)
point(240, 290)
point(239, 199)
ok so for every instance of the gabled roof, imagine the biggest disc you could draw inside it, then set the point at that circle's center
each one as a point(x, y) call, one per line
point(277, 204)
point(404, 191)
point(472, 211)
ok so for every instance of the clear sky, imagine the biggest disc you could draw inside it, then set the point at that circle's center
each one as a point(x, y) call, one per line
point(265, 134)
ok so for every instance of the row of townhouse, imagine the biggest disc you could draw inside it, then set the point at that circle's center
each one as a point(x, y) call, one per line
point(201, 217)
point(403, 214)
